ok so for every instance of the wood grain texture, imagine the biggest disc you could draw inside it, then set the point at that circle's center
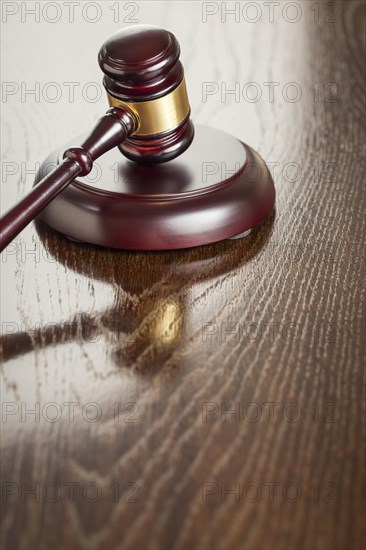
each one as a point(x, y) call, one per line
point(278, 317)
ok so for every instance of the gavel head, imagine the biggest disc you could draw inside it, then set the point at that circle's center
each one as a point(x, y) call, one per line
point(143, 74)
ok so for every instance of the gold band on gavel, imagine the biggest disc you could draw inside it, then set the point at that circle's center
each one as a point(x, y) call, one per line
point(158, 115)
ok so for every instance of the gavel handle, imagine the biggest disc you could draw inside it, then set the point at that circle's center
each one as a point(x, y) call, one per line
point(111, 130)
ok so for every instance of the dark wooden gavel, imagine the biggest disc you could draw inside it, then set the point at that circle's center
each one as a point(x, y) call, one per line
point(149, 118)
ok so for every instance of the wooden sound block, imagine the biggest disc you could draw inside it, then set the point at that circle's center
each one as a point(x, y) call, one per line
point(217, 189)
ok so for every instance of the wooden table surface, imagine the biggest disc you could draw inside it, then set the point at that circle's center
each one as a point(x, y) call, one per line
point(207, 398)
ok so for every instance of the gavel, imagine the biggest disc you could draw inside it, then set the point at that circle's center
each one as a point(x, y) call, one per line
point(149, 121)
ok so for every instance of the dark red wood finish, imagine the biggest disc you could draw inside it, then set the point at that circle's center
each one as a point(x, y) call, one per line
point(110, 130)
point(160, 147)
point(141, 63)
point(217, 189)
point(143, 59)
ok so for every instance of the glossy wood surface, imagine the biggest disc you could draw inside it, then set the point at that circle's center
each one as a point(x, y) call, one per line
point(134, 327)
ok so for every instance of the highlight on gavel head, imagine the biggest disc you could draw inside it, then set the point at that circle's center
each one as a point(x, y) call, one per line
point(143, 74)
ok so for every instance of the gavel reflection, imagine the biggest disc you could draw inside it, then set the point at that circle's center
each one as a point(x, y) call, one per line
point(151, 313)
point(149, 118)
